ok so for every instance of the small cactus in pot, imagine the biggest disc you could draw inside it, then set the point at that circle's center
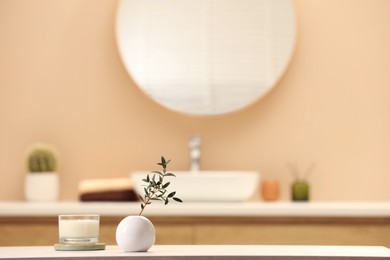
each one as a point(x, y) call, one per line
point(43, 182)
point(41, 158)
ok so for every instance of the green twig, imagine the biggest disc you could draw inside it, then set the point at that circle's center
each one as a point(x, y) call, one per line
point(156, 187)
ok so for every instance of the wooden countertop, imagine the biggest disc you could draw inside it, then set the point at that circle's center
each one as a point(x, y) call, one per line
point(205, 252)
point(248, 209)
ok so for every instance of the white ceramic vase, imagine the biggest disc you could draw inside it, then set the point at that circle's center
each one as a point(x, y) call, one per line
point(135, 234)
point(43, 186)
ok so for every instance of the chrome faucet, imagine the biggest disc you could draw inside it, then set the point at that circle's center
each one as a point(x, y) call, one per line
point(194, 146)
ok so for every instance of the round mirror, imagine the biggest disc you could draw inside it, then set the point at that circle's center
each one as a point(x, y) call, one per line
point(205, 57)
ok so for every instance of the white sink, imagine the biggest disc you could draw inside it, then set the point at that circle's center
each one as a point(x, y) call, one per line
point(207, 186)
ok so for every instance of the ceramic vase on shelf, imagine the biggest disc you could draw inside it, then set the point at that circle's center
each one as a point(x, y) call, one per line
point(135, 234)
point(41, 187)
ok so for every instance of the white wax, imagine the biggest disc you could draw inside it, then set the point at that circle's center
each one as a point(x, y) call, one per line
point(78, 228)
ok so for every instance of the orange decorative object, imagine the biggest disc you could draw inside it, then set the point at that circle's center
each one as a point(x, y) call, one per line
point(270, 190)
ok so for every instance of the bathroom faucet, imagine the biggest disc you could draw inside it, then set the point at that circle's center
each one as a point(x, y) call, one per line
point(194, 146)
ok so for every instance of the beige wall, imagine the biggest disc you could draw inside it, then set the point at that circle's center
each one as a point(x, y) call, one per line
point(62, 82)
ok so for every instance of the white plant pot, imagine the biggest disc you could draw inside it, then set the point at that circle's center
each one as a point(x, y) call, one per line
point(43, 186)
point(135, 234)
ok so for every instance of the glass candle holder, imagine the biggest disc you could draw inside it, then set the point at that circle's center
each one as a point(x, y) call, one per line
point(270, 190)
point(78, 229)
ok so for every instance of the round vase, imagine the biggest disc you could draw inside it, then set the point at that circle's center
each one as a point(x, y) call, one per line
point(135, 234)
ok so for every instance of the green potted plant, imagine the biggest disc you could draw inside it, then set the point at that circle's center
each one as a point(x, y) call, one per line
point(137, 233)
point(42, 181)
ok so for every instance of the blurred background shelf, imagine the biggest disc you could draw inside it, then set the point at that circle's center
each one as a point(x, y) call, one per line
point(282, 223)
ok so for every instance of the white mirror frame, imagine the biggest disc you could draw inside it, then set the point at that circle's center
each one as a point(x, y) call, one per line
point(206, 57)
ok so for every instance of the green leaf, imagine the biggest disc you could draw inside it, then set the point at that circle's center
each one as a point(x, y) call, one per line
point(160, 179)
point(177, 199)
point(163, 162)
point(146, 192)
point(166, 201)
point(142, 206)
point(166, 185)
point(145, 180)
point(170, 195)
point(148, 178)
point(142, 199)
point(170, 174)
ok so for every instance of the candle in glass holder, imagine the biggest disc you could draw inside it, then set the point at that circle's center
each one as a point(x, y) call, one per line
point(270, 190)
point(78, 229)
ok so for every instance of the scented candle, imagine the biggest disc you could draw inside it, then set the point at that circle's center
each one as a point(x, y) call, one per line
point(76, 229)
